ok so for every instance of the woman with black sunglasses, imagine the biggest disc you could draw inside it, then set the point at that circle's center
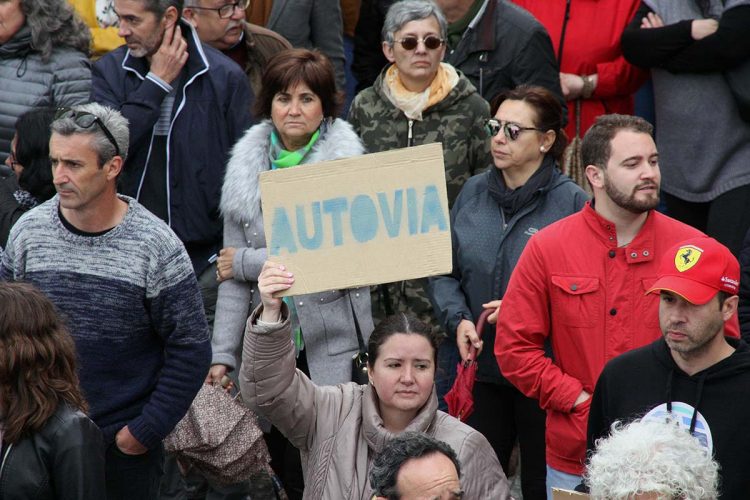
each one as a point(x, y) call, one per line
point(417, 100)
point(492, 220)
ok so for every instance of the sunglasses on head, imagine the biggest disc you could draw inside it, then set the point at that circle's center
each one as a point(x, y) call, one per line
point(511, 130)
point(87, 120)
point(430, 42)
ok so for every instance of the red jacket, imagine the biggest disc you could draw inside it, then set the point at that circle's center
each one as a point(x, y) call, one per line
point(574, 288)
point(592, 45)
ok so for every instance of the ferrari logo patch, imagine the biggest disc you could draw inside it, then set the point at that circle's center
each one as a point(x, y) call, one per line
point(687, 257)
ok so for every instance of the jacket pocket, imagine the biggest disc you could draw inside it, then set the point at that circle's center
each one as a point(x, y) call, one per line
point(647, 305)
point(575, 300)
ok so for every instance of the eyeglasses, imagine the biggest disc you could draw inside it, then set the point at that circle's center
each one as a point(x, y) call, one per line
point(511, 130)
point(226, 11)
point(431, 42)
point(87, 120)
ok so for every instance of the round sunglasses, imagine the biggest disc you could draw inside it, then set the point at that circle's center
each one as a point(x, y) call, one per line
point(511, 130)
point(430, 42)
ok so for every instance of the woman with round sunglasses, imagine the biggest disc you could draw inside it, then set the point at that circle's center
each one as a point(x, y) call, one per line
point(491, 222)
point(419, 100)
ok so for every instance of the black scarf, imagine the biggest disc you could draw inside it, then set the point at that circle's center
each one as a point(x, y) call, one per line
point(513, 200)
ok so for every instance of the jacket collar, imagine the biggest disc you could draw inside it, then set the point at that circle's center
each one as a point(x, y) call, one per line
point(375, 432)
point(641, 249)
point(196, 64)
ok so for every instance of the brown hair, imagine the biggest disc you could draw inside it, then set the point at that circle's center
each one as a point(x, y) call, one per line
point(290, 67)
point(37, 361)
point(596, 147)
point(548, 111)
point(400, 323)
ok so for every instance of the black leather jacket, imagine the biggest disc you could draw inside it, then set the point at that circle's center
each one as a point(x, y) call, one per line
point(63, 461)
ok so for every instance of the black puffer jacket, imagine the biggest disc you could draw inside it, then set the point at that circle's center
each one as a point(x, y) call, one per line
point(63, 461)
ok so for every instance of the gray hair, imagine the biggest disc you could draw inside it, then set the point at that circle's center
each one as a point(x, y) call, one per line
point(398, 451)
point(406, 11)
point(159, 7)
point(54, 23)
point(651, 457)
point(111, 118)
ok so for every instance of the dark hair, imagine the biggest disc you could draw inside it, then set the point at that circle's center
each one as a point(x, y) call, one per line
point(399, 450)
point(32, 152)
point(54, 23)
point(596, 147)
point(37, 361)
point(400, 323)
point(548, 111)
point(159, 7)
point(292, 66)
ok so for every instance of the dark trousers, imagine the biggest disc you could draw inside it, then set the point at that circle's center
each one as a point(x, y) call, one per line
point(502, 414)
point(133, 476)
point(727, 218)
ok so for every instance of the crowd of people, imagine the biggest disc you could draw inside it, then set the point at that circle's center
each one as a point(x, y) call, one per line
point(134, 265)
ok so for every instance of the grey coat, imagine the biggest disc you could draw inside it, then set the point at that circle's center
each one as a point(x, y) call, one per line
point(338, 430)
point(326, 318)
point(312, 24)
point(27, 82)
point(486, 248)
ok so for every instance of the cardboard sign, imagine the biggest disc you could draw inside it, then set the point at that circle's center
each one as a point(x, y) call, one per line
point(558, 494)
point(358, 221)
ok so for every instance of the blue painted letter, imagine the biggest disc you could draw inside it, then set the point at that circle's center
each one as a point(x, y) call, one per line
point(432, 212)
point(411, 207)
point(282, 232)
point(310, 242)
point(392, 220)
point(335, 207)
point(364, 218)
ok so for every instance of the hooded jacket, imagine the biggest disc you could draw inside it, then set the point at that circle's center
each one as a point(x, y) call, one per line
point(326, 318)
point(27, 81)
point(714, 402)
point(457, 122)
point(339, 430)
point(483, 260)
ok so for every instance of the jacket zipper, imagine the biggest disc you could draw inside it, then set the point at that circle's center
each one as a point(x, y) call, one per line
point(409, 134)
point(5, 457)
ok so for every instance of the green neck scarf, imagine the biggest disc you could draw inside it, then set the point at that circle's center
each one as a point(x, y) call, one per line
point(281, 158)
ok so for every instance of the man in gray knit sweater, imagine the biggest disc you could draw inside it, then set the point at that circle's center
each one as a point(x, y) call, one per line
point(127, 288)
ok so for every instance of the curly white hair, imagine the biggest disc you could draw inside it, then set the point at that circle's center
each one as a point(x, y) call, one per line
point(651, 457)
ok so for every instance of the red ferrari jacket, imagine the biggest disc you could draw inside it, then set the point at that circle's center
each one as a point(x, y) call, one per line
point(575, 290)
point(592, 45)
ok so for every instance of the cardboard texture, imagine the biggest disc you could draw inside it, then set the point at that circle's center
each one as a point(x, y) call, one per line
point(370, 219)
point(558, 494)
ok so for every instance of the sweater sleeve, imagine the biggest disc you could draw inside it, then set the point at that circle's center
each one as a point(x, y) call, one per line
point(652, 47)
point(523, 327)
point(177, 317)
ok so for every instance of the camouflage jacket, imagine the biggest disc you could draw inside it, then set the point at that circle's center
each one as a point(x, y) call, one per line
point(457, 122)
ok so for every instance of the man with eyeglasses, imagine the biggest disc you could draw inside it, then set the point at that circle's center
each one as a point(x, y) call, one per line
point(187, 105)
point(221, 24)
point(579, 288)
point(124, 282)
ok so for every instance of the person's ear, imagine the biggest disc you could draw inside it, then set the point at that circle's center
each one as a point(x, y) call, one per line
point(170, 17)
point(595, 176)
point(729, 307)
point(114, 167)
point(190, 15)
point(388, 52)
point(548, 139)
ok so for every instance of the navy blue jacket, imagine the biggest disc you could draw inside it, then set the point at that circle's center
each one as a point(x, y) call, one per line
point(211, 111)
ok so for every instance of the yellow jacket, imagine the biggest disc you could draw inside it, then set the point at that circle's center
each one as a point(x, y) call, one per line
point(103, 39)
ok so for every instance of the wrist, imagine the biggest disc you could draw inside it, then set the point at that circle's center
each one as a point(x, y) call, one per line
point(589, 85)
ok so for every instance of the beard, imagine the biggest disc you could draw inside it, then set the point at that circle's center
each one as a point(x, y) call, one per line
point(630, 202)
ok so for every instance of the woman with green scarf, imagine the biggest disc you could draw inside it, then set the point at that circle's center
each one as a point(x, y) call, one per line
point(298, 101)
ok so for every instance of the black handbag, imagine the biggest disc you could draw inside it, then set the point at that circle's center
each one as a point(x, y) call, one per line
point(359, 360)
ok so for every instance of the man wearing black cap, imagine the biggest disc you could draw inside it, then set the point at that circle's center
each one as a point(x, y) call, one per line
point(694, 372)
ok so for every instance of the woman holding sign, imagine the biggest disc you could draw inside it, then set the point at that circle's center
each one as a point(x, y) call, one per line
point(339, 429)
point(299, 103)
point(492, 220)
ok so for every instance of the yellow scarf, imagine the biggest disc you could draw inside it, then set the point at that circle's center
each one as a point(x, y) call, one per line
point(414, 103)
